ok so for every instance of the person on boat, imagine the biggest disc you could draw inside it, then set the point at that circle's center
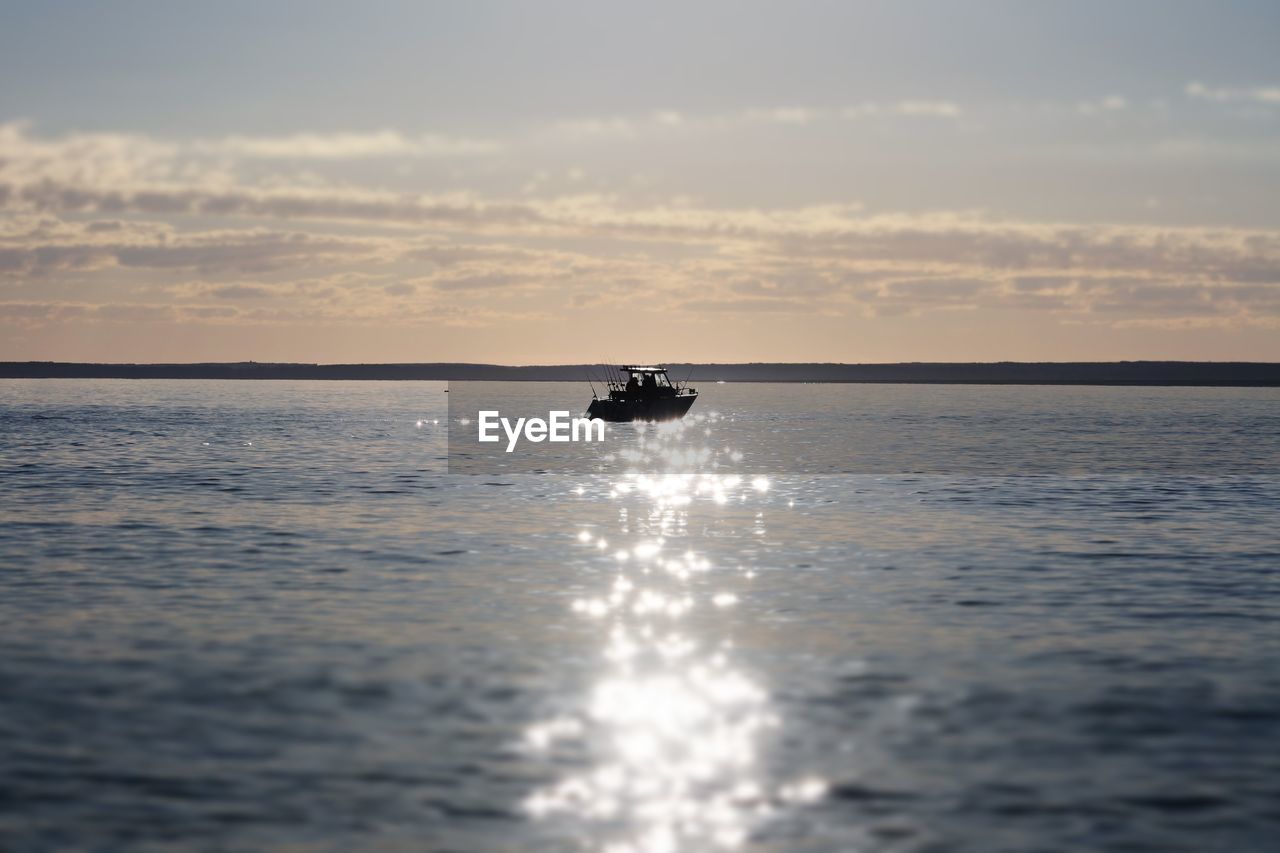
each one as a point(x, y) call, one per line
point(650, 384)
point(632, 385)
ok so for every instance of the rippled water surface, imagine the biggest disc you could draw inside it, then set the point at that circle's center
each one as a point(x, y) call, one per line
point(260, 615)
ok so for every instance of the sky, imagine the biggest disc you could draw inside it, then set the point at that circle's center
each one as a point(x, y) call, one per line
point(533, 183)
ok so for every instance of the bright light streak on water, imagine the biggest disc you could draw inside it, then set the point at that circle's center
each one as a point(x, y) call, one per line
point(672, 726)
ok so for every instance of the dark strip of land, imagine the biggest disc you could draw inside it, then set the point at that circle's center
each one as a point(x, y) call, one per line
point(1201, 373)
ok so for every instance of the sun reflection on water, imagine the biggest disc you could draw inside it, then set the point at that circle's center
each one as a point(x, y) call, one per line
point(671, 727)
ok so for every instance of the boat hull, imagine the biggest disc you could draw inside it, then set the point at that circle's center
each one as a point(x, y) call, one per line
point(654, 409)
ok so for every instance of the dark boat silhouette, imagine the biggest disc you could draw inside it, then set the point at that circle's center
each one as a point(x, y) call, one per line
point(647, 395)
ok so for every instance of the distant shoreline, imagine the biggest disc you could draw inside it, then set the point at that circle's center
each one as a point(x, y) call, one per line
point(1121, 373)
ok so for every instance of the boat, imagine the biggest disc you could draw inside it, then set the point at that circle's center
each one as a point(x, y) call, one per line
point(647, 395)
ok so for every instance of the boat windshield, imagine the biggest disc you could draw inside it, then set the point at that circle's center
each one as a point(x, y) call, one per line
point(651, 379)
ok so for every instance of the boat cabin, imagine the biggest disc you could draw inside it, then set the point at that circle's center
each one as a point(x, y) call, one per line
point(648, 381)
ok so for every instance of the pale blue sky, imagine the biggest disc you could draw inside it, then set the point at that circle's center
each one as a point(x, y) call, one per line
point(272, 67)
point(854, 181)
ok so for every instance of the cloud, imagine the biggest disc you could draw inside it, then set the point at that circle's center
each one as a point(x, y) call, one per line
point(489, 281)
point(241, 291)
point(937, 109)
point(335, 203)
point(589, 129)
point(749, 306)
point(85, 158)
point(783, 115)
point(1108, 104)
point(244, 251)
point(123, 157)
point(593, 128)
point(1254, 94)
point(800, 115)
point(1110, 300)
point(94, 208)
point(935, 291)
point(44, 313)
point(45, 247)
point(345, 146)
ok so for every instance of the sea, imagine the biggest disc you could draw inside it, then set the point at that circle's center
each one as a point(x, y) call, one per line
point(272, 615)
